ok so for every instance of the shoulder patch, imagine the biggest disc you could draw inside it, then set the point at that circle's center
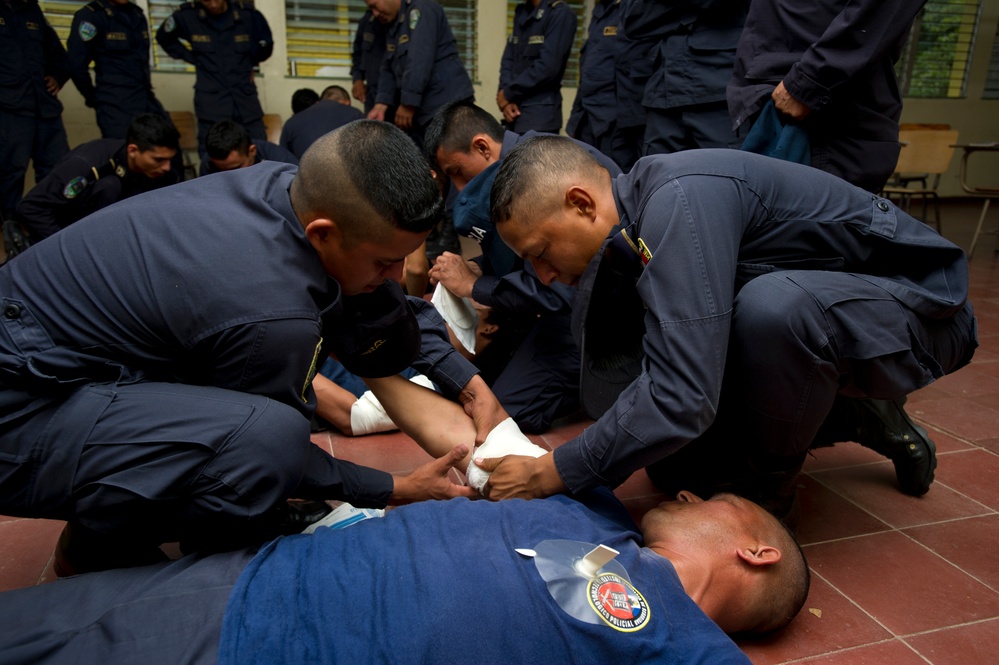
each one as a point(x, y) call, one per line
point(414, 18)
point(87, 30)
point(74, 187)
point(170, 24)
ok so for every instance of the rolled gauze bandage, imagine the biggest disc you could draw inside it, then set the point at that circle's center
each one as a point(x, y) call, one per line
point(505, 439)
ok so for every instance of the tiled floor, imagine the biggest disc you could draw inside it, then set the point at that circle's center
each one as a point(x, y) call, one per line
point(896, 579)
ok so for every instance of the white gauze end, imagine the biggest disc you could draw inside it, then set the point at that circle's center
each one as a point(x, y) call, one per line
point(505, 439)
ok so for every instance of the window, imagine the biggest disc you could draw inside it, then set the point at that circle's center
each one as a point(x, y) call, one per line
point(320, 34)
point(571, 76)
point(59, 14)
point(934, 63)
point(992, 82)
point(157, 12)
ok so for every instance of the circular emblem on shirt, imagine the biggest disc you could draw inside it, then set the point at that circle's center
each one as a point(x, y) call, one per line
point(170, 25)
point(618, 603)
point(87, 31)
point(74, 187)
point(414, 18)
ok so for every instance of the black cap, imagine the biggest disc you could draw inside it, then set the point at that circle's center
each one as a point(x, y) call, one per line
point(377, 334)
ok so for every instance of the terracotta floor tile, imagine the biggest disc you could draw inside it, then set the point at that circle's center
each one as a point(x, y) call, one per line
point(963, 645)
point(975, 379)
point(394, 452)
point(566, 430)
point(969, 544)
point(990, 444)
point(902, 585)
point(828, 622)
point(827, 516)
point(843, 454)
point(967, 419)
point(974, 473)
point(27, 549)
point(323, 440)
point(893, 652)
point(873, 488)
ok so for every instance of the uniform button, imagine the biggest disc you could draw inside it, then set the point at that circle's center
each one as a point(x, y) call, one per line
point(882, 206)
point(12, 311)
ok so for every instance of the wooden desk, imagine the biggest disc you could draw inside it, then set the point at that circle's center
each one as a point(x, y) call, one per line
point(987, 193)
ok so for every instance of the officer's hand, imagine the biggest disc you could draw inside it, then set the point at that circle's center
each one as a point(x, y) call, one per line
point(482, 407)
point(520, 477)
point(404, 116)
point(511, 112)
point(455, 273)
point(378, 112)
point(431, 481)
point(358, 90)
point(52, 86)
point(501, 100)
point(787, 104)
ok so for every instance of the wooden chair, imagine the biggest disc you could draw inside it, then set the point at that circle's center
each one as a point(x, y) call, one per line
point(187, 126)
point(926, 155)
point(273, 124)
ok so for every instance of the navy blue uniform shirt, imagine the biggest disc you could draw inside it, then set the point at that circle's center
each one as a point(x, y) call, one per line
point(534, 62)
point(90, 177)
point(421, 67)
point(303, 128)
point(224, 50)
point(116, 39)
point(31, 51)
point(597, 93)
point(714, 219)
point(366, 56)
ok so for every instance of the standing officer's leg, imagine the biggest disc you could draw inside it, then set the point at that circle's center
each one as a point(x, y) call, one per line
point(50, 145)
point(16, 140)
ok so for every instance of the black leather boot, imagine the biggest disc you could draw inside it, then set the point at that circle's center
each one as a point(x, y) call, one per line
point(885, 427)
point(81, 550)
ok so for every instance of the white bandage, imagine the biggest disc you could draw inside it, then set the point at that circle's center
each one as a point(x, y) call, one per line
point(459, 313)
point(367, 415)
point(505, 439)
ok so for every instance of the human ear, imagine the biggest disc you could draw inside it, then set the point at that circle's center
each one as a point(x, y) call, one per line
point(761, 555)
point(578, 198)
point(321, 232)
point(481, 146)
point(688, 497)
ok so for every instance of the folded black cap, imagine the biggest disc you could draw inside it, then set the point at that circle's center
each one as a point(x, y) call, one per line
point(377, 334)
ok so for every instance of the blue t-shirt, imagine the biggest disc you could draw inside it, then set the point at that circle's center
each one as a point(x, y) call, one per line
point(359, 595)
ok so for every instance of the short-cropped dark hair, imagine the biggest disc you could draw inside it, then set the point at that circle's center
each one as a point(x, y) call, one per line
point(150, 130)
point(369, 177)
point(337, 93)
point(303, 99)
point(224, 137)
point(455, 125)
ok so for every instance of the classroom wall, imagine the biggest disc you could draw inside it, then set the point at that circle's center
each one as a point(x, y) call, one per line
point(977, 120)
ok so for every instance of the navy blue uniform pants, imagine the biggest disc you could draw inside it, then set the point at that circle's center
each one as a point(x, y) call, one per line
point(688, 127)
point(622, 144)
point(800, 341)
point(162, 462)
point(23, 139)
point(165, 614)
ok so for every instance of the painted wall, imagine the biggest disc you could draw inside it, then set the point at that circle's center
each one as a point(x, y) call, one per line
point(976, 119)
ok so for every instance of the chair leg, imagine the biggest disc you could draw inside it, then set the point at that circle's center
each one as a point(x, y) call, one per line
point(978, 229)
point(936, 210)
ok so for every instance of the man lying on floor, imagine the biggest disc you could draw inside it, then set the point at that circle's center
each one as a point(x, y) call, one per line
point(440, 582)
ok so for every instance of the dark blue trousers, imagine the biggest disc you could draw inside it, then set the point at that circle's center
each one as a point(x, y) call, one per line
point(23, 139)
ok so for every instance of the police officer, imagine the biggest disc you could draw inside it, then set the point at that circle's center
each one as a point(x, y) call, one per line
point(366, 60)
point(32, 71)
point(685, 96)
point(227, 41)
point(751, 286)
point(333, 110)
point(114, 35)
point(421, 70)
point(156, 358)
point(98, 173)
point(597, 116)
point(534, 60)
point(229, 147)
